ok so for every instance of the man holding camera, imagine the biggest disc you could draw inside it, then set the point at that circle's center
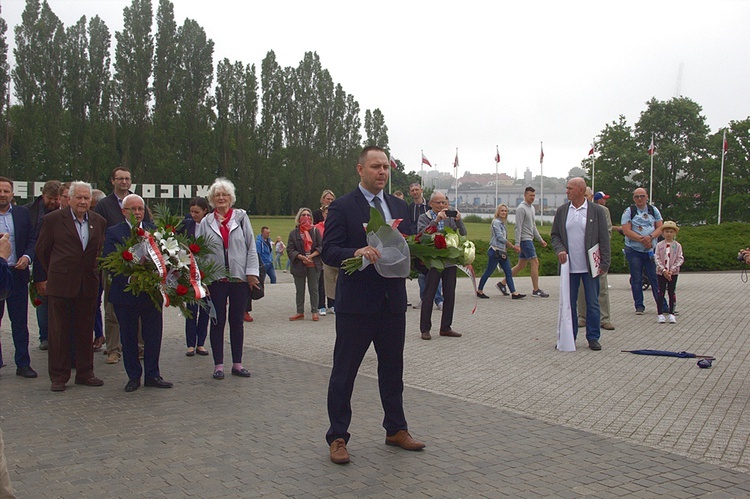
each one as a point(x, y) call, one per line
point(440, 217)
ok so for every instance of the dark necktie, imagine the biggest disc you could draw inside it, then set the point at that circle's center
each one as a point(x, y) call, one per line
point(379, 206)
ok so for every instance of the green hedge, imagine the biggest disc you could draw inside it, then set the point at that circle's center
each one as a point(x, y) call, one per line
point(706, 248)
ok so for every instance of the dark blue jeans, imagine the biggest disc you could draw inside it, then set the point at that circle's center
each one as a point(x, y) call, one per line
point(638, 261)
point(591, 293)
point(196, 327)
point(18, 309)
point(492, 262)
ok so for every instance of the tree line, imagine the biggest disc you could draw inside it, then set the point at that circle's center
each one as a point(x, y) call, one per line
point(156, 109)
point(686, 163)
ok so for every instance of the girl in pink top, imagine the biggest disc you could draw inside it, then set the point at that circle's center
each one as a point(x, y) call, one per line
point(669, 259)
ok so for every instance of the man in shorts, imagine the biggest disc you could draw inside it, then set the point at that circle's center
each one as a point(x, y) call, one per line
point(526, 232)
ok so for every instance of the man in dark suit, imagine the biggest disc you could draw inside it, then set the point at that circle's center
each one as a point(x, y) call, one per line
point(131, 309)
point(15, 220)
point(577, 228)
point(369, 308)
point(111, 209)
point(48, 200)
point(70, 241)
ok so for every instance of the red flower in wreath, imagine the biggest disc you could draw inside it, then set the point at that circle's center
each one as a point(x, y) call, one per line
point(431, 229)
point(37, 302)
point(194, 248)
point(181, 290)
point(140, 232)
point(127, 256)
point(201, 274)
point(170, 228)
point(440, 241)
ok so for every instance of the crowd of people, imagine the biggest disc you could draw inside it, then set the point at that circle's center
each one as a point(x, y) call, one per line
point(69, 226)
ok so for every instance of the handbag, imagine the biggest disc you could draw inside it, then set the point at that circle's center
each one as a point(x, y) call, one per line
point(501, 254)
point(260, 291)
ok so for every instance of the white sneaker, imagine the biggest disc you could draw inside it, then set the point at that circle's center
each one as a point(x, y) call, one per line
point(672, 319)
point(661, 319)
point(331, 311)
point(418, 304)
point(322, 311)
point(440, 306)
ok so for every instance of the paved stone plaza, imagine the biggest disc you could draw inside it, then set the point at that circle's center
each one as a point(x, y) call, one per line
point(502, 413)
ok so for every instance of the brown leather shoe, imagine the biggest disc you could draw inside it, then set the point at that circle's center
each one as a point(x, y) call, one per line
point(451, 333)
point(404, 440)
point(426, 335)
point(297, 317)
point(314, 316)
point(339, 454)
point(92, 381)
point(58, 386)
point(608, 326)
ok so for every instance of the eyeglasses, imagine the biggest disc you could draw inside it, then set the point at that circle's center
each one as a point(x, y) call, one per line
point(638, 196)
point(305, 215)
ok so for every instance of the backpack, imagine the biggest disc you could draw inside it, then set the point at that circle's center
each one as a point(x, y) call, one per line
point(634, 210)
point(650, 208)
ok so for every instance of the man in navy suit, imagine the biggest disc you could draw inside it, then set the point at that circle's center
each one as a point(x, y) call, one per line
point(131, 308)
point(369, 308)
point(15, 220)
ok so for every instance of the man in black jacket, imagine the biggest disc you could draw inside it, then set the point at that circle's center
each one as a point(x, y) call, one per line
point(48, 201)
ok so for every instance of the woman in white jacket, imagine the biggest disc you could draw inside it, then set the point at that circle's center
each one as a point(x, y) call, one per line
point(230, 236)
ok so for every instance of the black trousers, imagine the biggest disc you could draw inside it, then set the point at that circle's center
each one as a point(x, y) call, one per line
point(354, 333)
point(432, 279)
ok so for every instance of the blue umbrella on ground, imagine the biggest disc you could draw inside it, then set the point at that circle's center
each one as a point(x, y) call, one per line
point(703, 363)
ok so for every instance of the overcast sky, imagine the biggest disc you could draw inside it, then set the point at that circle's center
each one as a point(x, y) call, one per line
point(473, 75)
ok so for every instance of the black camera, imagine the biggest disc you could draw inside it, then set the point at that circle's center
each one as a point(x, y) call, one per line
point(741, 254)
point(451, 213)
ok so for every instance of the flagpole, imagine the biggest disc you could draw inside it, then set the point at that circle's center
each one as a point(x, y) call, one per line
point(593, 167)
point(651, 183)
point(455, 171)
point(541, 199)
point(721, 178)
point(497, 162)
point(421, 171)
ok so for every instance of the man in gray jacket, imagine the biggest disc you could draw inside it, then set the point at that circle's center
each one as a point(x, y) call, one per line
point(580, 226)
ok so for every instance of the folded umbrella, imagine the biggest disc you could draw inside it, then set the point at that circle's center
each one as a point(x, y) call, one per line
point(667, 353)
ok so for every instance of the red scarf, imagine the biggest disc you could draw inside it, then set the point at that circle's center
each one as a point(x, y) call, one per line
point(304, 231)
point(224, 226)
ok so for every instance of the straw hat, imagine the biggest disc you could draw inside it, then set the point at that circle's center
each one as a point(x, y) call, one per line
point(670, 225)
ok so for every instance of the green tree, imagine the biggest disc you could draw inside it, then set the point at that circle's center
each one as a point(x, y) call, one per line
point(681, 138)
point(616, 164)
point(376, 129)
point(133, 66)
point(4, 78)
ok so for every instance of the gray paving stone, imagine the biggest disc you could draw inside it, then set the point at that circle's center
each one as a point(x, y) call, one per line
point(501, 411)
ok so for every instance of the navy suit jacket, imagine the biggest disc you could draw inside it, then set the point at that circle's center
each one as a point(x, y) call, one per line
point(117, 234)
point(363, 292)
point(25, 235)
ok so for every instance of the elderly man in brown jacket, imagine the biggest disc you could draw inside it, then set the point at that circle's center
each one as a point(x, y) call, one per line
point(69, 243)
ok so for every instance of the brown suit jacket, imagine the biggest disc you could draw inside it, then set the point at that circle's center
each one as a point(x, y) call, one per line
point(71, 271)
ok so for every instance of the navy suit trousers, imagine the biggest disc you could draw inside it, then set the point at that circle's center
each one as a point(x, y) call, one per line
point(128, 315)
point(354, 333)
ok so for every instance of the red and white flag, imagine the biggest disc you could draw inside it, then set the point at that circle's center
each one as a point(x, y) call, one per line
point(455, 161)
point(541, 154)
point(652, 147)
point(392, 160)
point(592, 151)
point(725, 145)
point(425, 161)
point(497, 155)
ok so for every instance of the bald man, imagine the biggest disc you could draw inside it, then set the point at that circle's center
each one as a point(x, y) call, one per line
point(579, 226)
